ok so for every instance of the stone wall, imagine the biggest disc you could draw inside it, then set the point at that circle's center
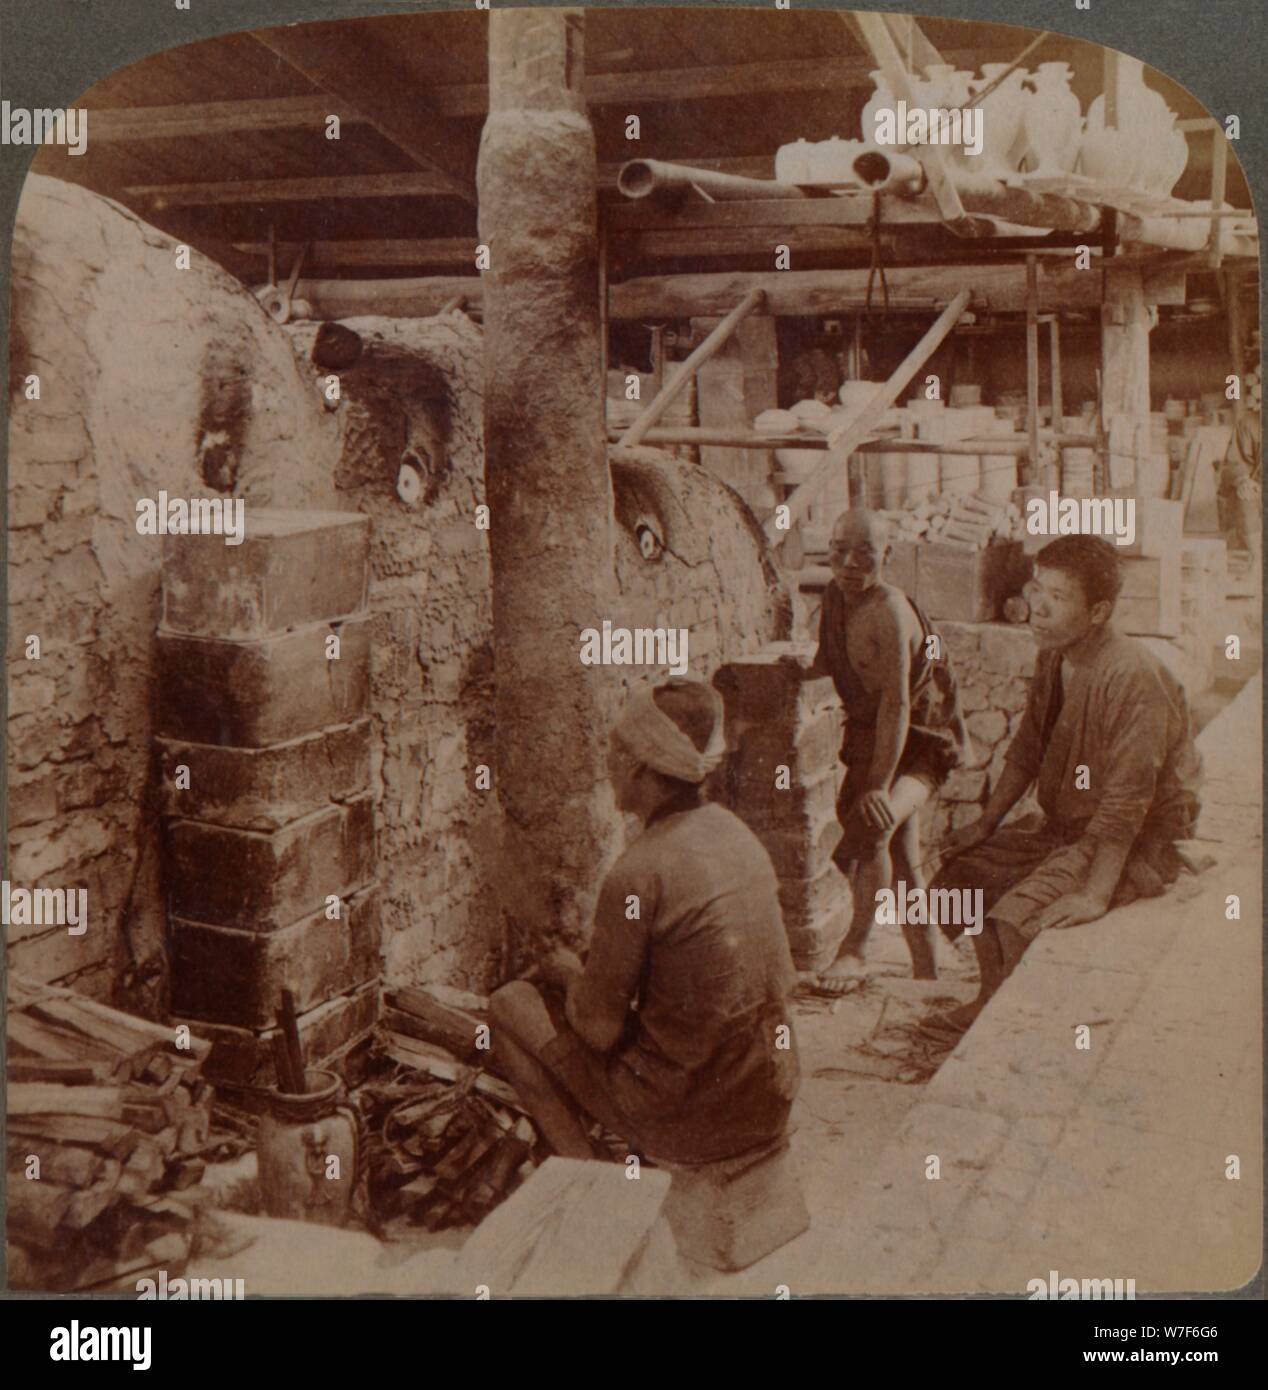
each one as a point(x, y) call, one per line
point(150, 376)
point(154, 377)
point(992, 663)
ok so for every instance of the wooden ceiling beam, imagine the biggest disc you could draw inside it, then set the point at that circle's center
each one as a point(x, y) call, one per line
point(433, 184)
point(470, 100)
point(348, 65)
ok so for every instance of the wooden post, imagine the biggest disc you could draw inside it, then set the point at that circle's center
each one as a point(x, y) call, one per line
point(1032, 367)
point(1125, 364)
point(547, 482)
point(1058, 400)
point(843, 441)
point(734, 387)
point(1219, 181)
point(713, 343)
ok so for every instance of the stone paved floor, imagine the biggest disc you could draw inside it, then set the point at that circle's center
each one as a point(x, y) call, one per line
point(1098, 1163)
point(1105, 1162)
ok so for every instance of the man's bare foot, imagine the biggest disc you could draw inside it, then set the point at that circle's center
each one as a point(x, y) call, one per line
point(843, 975)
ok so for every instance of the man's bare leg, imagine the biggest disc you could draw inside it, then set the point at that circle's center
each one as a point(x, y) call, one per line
point(874, 872)
point(521, 1028)
point(995, 962)
point(908, 868)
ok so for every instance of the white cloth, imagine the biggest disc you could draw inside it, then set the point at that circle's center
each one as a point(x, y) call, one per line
point(650, 736)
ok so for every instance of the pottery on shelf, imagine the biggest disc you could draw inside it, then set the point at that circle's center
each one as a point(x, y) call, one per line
point(1053, 121)
point(1146, 128)
point(1110, 157)
point(1003, 119)
point(793, 162)
point(882, 99)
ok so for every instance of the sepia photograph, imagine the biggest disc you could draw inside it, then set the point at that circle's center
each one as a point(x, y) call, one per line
point(634, 667)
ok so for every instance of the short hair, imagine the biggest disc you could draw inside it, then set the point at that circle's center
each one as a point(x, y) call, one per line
point(693, 706)
point(1092, 560)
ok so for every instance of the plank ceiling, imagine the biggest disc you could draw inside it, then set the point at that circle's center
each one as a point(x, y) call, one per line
point(707, 85)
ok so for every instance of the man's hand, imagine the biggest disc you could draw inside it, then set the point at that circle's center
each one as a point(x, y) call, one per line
point(559, 967)
point(967, 837)
point(1071, 911)
point(876, 810)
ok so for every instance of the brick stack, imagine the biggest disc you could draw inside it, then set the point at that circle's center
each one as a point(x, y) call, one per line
point(774, 718)
point(278, 815)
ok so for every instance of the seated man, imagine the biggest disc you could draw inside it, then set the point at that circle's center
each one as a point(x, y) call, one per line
point(675, 1033)
point(904, 731)
point(1106, 734)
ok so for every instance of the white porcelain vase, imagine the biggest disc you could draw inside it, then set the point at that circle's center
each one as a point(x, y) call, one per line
point(882, 98)
point(1003, 119)
point(1147, 150)
point(1053, 121)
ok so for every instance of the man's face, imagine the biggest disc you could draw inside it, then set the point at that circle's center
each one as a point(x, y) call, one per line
point(1060, 614)
point(856, 556)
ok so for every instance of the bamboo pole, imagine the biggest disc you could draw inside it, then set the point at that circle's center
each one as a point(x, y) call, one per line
point(844, 440)
point(665, 397)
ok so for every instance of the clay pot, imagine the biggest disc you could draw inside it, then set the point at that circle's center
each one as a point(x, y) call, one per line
point(1053, 121)
point(1159, 151)
point(793, 163)
point(299, 1135)
point(1109, 156)
point(1003, 118)
point(882, 98)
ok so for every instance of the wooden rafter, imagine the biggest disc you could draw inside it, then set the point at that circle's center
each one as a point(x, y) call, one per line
point(471, 100)
point(354, 70)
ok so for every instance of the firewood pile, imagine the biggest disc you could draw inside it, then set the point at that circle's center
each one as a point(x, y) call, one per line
point(447, 1140)
point(969, 521)
point(108, 1120)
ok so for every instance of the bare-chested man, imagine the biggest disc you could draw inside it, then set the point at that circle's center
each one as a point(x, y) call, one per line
point(904, 731)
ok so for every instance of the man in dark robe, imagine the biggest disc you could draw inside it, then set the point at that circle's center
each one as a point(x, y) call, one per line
point(674, 1034)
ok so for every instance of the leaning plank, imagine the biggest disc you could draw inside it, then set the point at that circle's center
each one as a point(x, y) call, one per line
point(846, 438)
point(713, 344)
point(575, 1227)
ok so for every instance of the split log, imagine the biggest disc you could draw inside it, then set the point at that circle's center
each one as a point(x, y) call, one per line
point(420, 1013)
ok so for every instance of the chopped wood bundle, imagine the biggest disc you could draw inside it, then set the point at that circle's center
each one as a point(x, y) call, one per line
point(968, 520)
point(445, 1146)
point(449, 1018)
point(108, 1120)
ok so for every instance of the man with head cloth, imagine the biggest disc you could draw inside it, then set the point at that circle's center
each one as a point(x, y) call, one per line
point(904, 730)
point(674, 1034)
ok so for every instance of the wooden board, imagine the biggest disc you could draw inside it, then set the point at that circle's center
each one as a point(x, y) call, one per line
point(575, 1227)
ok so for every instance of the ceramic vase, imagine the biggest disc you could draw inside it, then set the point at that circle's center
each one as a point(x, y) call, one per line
point(1053, 120)
point(1003, 115)
point(1108, 156)
point(882, 98)
point(1147, 151)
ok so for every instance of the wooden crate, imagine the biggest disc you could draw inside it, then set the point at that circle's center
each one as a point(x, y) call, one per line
point(1159, 528)
point(900, 568)
point(968, 586)
point(1149, 603)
